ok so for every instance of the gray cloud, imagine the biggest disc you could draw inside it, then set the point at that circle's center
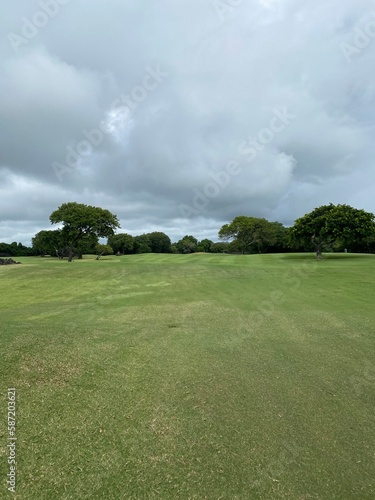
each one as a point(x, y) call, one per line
point(224, 72)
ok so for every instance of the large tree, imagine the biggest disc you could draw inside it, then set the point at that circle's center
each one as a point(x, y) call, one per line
point(332, 225)
point(251, 234)
point(80, 221)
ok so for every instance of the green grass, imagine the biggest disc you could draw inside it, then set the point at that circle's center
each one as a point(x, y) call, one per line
point(190, 377)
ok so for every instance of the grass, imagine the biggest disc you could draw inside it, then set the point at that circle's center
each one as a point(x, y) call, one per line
point(190, 377)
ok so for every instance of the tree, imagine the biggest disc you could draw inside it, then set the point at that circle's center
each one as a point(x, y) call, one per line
point(103, 250)
point(205, 245)
point(188, 244)
point(6, 250)
point(159, 242)
point(234, 247)
point(250, 233)
point(220, 247)
point(155, 242)
point(333, 225)
point(142, 244)
point(81, 220)
point(280, 240)
point(87, 245)
point(47, 242)
point(174, 248)
point(15, 250)
point(122, 243)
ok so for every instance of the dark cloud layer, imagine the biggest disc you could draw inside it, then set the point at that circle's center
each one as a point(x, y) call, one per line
point(178, 116)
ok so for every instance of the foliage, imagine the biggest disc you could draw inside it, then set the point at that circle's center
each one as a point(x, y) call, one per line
point(142, 244)
point(234, 247)
point(333, 226)
point(103, 250)
point(80, 220)
point(52, 243)
point(251, 234)
point(87, 245)
point(205, 245)
point(155, 242)
point(174, 248)
point(220, 247)
point(280, 240)
point(47, 242)
point(15, 250)
point(122, 243)
point(187, 244)
point(159, 242)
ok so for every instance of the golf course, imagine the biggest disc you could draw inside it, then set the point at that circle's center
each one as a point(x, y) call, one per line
point(200, 376)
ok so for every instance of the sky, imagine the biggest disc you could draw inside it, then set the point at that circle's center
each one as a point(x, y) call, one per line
point(179, 115)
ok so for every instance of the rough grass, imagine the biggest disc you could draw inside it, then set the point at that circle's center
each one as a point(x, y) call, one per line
point(192, 377)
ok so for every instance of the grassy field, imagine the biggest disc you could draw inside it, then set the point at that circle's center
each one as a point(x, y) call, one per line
point(190, 377)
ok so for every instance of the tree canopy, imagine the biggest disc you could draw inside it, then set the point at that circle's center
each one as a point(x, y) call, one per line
point(330, 225)
point(47, 242)
point(187, 244)
point(159, 242)
point(103, 250)
point(249, 234)
point(205, 245)
point(15, 249)
point(121, 243)
point(80, 221)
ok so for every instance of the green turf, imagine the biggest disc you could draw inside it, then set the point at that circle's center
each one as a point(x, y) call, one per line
point(190, 377)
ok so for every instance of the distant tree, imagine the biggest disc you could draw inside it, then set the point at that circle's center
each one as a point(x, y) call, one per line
point(220, 247)
point(234, 247)
point(122, 243)
point(280, 241)
point(205, 245)
point(367, 245)
point(80, 220)
point(330, 225)
point(6, 250)
point(159, 242)
point(15, 249)
point(48, 242)
point(187, 244)
point(252, 234)
point(142, 244)
point(174, 248)
point(23, 250)
point(103, 250)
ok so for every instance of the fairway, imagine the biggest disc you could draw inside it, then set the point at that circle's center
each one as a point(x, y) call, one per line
point(195, 376)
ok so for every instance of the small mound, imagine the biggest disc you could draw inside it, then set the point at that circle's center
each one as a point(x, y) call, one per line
point(4, 262)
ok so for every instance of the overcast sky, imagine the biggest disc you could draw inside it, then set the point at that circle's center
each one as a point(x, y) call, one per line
point(178, 115)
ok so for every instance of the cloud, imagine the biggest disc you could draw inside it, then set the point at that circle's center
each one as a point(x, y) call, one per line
point(85, 77)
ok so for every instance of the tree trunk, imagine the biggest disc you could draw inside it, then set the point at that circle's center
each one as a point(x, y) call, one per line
point(318, 248)
point(59, 254)
point(70, 254)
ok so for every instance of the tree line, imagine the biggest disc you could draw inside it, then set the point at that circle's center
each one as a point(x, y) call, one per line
point(330, 227)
